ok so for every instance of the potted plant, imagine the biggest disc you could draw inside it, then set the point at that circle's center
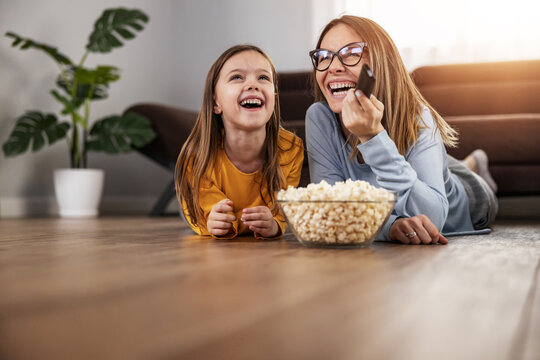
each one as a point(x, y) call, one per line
point(78, 189)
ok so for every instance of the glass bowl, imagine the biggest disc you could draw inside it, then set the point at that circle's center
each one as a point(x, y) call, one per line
point(339, 223)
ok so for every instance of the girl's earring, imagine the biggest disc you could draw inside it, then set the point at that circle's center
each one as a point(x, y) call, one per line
point(217, 109)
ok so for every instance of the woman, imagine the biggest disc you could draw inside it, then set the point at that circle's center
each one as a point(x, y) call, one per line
point(394, 139)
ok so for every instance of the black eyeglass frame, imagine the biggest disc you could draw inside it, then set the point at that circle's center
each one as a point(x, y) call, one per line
point(362, 45)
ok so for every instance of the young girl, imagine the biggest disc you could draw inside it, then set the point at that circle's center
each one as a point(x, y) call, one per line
point(237, 156)
point(394, 139)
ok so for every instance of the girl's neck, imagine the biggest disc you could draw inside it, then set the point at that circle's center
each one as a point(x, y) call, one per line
point(245, 149)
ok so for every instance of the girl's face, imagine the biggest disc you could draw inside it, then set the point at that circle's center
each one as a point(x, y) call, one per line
point(244, 93)
point(338, 78)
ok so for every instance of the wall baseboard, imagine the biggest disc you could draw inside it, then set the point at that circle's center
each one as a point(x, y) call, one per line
point(15, 207)
point(519, 207)
point(11, 207)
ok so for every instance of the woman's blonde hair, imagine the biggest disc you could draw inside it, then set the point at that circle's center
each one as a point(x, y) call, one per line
point(394, 87)
point(199, 152)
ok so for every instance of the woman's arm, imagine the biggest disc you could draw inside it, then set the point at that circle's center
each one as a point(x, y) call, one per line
point(323, 152)
point(419, 179)
point(416, 230)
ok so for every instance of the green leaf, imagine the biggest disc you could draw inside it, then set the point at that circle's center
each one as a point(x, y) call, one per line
point(29, 43)
point(116, 134)
point(100, 90)
point(126, 34)
point(70, 107)
point(33, 128)
point(102, 75)
point(114, 25)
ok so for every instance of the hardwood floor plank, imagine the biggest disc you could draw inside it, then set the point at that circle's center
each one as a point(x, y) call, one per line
point(146, 288)
point(457, 302)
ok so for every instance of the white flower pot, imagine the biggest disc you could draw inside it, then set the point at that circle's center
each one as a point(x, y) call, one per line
point(78, 191)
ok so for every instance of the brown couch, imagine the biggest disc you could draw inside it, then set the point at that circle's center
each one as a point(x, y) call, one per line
point(494, 106)
point(172, 126)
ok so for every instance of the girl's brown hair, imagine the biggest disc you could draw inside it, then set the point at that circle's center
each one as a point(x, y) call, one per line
point(394, 87)
point(199, 152)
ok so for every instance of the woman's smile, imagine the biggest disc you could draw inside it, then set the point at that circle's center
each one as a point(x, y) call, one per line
point(336, 81)
point(339, 88)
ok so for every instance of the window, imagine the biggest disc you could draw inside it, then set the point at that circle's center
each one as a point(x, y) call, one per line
point(435, 32)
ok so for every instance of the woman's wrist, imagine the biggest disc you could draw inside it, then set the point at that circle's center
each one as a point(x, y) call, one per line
point(366, 138)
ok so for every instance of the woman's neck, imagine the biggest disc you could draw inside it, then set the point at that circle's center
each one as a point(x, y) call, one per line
point(245, 149)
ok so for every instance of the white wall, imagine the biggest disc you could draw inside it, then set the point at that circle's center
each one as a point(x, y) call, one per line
point(207, 27)
point(166, 63)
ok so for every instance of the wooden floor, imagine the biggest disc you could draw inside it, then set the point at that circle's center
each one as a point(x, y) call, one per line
point(145, 288)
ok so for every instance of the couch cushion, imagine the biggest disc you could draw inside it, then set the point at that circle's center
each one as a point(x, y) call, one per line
point(507, 139)
point(299, 80)
point(492, 72)
point(294, 104)
point(295, 95)
point(509, 87)
point(483, 98)
point(516, 180)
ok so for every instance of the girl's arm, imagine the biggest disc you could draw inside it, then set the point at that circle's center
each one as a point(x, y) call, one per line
point(266, 225)
point(220, 220)
point(259, 219)
point(210, 195)
point(293, 165)
point(292, 171)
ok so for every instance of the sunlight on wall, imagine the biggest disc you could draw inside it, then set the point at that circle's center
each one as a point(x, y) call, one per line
point(436, 32)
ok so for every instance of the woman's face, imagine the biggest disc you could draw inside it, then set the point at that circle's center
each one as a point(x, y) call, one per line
point(244, 93)
point(335, 81)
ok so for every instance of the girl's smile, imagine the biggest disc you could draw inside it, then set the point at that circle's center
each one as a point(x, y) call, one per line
point(244, 93)
point(252, 103)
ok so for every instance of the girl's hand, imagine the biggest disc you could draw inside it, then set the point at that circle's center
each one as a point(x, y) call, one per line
point(416, 230)
point(220, 221)
point(362, 115)
point(259, 219)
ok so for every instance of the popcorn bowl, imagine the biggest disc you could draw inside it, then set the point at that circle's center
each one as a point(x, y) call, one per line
point(338, 223)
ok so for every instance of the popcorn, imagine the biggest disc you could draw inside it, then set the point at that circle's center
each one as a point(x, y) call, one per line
point(347, 213)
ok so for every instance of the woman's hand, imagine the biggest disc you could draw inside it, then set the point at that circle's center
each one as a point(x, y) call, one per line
point(220, 221)
point(416, 230)
point(362, 115)
point(259, 219)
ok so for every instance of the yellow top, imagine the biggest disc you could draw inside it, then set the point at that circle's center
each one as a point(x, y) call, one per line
point(244, 190)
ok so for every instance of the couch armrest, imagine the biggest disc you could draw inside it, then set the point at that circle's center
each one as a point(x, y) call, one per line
point(172, 126)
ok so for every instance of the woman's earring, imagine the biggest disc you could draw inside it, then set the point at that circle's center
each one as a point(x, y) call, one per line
point(217, 109)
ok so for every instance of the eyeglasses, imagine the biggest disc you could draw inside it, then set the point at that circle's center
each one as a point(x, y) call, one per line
point(349, 55)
